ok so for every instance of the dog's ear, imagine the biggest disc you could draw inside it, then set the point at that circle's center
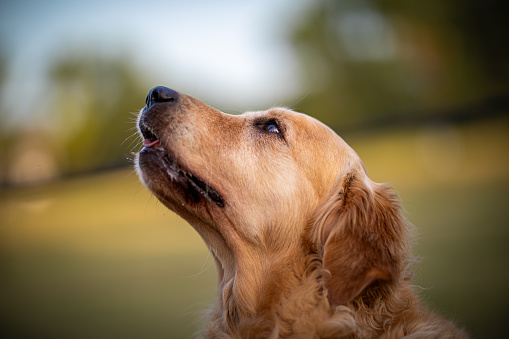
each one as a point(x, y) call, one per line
point(361, 236)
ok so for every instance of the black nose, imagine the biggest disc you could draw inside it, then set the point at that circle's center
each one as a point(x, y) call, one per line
point(161, 94)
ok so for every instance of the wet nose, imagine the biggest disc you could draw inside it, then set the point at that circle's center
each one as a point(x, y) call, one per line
point(161, 94)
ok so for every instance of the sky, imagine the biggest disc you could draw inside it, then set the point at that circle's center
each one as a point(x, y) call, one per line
point(226, 51)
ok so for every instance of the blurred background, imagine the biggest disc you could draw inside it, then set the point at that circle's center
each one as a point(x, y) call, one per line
point(420, 89)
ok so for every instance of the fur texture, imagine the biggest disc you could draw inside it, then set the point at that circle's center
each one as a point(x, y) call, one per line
point(305, 244)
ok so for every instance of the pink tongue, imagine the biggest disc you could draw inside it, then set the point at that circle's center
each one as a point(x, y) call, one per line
point(150, 143)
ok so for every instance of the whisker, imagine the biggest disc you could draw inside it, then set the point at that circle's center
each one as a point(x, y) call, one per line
point(203, 267)
point(129, 137)
point(133, 145)
point(303, 97)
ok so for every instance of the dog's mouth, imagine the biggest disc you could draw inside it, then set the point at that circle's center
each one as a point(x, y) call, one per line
point(175, 171)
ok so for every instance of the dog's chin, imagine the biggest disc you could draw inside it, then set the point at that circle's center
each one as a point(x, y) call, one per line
point(173, 185)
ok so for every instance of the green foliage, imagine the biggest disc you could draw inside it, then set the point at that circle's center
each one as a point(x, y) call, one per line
point(373, 59)
point(93, 102)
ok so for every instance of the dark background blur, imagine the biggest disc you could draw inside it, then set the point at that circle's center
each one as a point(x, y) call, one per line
point(419, 89)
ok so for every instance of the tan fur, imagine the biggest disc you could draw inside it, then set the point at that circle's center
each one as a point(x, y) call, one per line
point(306, 245)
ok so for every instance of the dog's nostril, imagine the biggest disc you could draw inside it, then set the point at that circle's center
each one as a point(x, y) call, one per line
point(161, 94)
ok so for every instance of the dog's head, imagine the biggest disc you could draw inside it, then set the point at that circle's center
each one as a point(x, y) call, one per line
point(257, 186)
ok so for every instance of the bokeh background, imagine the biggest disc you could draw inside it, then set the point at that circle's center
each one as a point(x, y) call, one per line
point(419, 88)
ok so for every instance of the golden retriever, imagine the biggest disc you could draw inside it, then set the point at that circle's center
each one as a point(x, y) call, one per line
point(305, 244)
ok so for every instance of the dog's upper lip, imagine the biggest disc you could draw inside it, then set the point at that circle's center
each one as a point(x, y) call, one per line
point(146, 131)
point(150, 139)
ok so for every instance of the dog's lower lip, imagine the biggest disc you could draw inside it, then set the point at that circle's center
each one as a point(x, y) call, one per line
point(174, 171)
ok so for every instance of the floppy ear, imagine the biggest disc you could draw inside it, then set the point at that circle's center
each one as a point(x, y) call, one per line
point(361, 236)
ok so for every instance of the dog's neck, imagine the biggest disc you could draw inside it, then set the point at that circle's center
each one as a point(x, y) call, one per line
point(271, 293)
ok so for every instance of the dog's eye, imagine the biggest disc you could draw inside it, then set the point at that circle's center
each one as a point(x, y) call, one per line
point(272, 127)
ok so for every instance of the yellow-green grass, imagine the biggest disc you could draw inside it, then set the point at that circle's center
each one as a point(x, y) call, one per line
point(99, 257)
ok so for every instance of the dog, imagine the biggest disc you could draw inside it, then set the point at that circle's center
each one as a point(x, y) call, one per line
point(305, 244)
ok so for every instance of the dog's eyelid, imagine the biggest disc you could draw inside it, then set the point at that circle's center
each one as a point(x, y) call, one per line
point(270, 125)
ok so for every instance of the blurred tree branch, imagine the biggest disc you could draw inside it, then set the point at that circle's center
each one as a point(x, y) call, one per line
point(370, 60)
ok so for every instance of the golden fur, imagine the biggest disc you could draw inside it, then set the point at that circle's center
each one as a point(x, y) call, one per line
point(305, 244)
